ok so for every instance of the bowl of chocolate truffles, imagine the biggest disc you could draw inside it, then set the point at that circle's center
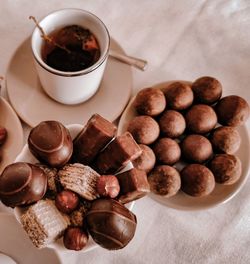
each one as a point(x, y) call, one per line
point(73, 187)
point(195, 147)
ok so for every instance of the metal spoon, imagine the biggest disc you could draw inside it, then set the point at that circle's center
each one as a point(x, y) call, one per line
point(136, 62)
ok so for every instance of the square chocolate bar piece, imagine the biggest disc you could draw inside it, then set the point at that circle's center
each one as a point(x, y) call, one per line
point(117, 154)
point(133, 185)
point(92, 139)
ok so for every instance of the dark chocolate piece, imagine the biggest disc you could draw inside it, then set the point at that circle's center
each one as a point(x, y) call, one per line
point(92, 139)
point(133, 185)
point(21, 184)
point(117, 154)
point(50, 142)
point(110, 224)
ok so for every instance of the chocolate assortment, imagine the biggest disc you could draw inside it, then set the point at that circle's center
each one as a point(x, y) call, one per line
point(68, 192)
point(197, 136)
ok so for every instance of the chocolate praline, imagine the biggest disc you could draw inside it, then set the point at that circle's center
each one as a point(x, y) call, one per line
point(110, 224)
point(50, 142)
point(22, 184)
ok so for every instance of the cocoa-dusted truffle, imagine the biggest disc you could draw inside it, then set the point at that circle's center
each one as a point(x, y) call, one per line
point(50, 142)
point(226, 168)
point(144, 129)
point(226, 139)
point(232, 110)
point(146, 160)
point(207, 90)
point(164, 180)
point(201, 119)
point(22, 184)
point(179, 96)
point(110, 224)
point(150, 101)
point(196, 148)
point(167, 151)
point(172, 124)
point(197, 180)
point(94, 136)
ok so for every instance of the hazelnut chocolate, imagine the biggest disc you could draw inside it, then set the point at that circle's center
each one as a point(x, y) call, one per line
point(110, 224)
point(133, 185)
point(50, 142)
point(117, 154)
point(92, 139)
point(22, 184)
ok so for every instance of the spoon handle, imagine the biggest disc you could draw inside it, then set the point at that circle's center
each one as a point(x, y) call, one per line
point(138, 63)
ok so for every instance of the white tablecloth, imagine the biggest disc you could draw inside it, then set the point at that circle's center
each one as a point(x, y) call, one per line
point(181, 40)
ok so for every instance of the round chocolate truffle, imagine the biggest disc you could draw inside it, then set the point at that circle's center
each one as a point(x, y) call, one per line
point(197, 180)
point(226, 139)
point(226, 168)
point(232, 110)
point(50, 142)
point(110, 223)
point(22, 184)
point(150, 101)
point(146, 160)
point(179, 96)
point(172, 124)
point(167, 151)
point(196, 148)
point(201, 119)
point(164, 180)
point(144, 129)
point(207, 90)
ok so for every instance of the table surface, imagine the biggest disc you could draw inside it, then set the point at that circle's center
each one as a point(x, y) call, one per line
point(181, 40)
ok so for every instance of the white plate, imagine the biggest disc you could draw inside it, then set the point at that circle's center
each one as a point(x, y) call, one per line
point(33, 105)
point(14, 141)
point(221, 193)
point(26, 156)
point(15, 243)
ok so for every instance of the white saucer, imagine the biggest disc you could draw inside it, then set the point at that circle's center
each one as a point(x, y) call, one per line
point(33, 105)
point(14, 142)
point(221, 193)
point(15, 243)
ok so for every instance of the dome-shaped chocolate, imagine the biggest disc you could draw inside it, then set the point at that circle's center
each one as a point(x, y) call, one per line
point(110, 223)
point(21, 184)
point(50, 142)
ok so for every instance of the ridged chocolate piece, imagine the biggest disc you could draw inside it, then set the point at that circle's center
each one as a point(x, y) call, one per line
point(110, 224)
point(133, 185)
point(117, 154)
point(50, 142)
point(92, 139)
point(21, 184)
point(44, 223)
point(79, 179)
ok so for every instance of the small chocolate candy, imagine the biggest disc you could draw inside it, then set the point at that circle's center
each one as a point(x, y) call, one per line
point(50, 142)
point(197, 180)
point(133, 185)
point(164, 180)
point(117, 154)
point(110, 224)
point(21, 184)
point(92, 139)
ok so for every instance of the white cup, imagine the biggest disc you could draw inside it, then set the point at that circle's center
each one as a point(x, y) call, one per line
point(71, 87)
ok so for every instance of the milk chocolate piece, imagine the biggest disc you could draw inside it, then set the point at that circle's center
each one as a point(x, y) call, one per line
point(118, 154)
point(50, 142)
point(133, 185)
point(110, 224)
point(21, 184)
point(92, 139)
